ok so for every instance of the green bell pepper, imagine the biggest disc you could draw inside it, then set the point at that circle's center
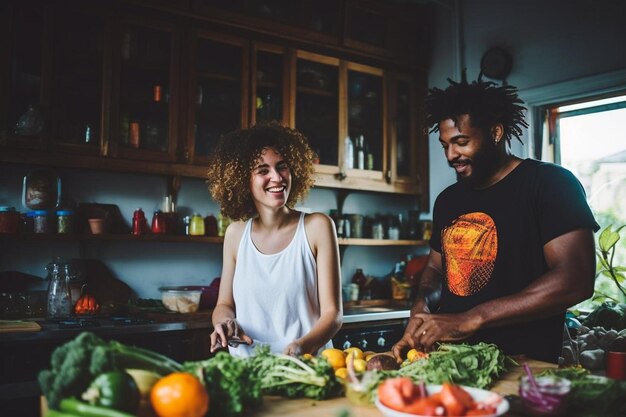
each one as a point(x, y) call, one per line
point(116, 390)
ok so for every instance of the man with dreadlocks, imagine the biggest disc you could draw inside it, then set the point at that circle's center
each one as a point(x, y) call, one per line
point(512, 245)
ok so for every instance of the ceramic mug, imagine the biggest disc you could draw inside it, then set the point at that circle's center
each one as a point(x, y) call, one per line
point(616, 365)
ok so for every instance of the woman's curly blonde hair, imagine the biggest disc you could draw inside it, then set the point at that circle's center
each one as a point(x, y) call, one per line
point(236, 155)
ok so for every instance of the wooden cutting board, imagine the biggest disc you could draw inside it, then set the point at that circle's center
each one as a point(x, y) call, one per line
point(12, 326)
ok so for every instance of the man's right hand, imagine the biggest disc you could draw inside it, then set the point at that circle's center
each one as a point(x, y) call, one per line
point(410, 340)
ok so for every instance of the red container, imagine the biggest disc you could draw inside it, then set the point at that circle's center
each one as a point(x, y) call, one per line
point(9, 220)
point(616, 365)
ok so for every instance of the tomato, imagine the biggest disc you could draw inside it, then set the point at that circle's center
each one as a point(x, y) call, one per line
point(397, 393)
point(179, 395)
point(425, 407)
point(487, 411)
point(455, 399)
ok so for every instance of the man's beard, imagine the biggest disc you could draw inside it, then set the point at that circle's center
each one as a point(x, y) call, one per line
point(484, 164)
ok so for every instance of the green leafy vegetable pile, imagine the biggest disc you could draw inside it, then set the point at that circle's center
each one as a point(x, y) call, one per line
point(291, 377)
point(472, 365)
point(592, 395)
point(230, 382)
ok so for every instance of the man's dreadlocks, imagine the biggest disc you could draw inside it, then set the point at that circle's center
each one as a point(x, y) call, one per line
point(486, 104)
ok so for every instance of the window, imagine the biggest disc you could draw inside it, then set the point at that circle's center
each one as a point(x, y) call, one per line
point(589, 139)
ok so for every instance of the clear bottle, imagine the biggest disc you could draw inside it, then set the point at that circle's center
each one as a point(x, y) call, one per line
point(348, 156)
point(360, 153)
point(40, 221)
point(59, 298)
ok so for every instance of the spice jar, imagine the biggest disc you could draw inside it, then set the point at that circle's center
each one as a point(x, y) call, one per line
point(196, 225)
point(40, 221)
point(65, 221)
point(158, 223)
point(140, 224)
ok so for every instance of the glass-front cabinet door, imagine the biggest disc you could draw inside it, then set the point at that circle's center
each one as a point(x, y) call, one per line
point(366, 123)
point(78, 39)
point(144, 126)
point(22, 104)
point(218, 83)
point(316, 112)
point(408, 140)
point(269, 89)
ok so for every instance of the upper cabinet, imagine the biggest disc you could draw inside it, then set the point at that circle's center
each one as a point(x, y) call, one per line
point(145, 92)
point(216, 101)
point(54, 77)
point(150, 85)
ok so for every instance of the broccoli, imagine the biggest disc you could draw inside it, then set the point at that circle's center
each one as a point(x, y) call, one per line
point(75, 364)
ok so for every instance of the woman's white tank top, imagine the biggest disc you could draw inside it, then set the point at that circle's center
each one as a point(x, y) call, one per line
point(276, 297)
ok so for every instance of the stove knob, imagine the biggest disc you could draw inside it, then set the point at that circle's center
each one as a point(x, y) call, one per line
point(381, 341)
point(346, 344)
point(363, 344)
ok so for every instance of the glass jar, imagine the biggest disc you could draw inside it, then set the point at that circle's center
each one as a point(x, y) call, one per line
point(59, 298)
point(40, 221)
point(196, 225)
point(65, 221)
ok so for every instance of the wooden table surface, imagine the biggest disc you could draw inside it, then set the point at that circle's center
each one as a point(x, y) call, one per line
point(277, 406)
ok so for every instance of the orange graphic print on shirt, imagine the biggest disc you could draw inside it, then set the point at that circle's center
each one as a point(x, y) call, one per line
point(470, 246)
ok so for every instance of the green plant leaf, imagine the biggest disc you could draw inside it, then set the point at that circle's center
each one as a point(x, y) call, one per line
point(608, 238)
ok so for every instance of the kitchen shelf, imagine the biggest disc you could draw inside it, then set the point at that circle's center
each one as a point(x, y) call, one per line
point(37, 237)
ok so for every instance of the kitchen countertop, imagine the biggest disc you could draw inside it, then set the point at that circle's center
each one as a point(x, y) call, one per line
point(277, 406)
point(163, 322)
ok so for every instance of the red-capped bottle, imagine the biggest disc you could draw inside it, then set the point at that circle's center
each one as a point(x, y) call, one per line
point(140, 224)
point(159, 226)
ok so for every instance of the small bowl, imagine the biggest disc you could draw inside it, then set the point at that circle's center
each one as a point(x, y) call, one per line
point(554, 390)
point(181, 300)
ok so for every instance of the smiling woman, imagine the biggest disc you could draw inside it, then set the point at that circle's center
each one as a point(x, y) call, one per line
point(280, 276)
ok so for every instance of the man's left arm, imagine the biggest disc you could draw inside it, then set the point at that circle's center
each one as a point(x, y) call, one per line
point(568, 280)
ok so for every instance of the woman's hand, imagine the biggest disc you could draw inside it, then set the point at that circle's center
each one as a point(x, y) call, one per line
point(225, 331)
point(294, 349)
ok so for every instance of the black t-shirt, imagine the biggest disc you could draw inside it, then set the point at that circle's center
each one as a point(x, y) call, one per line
point(491, 242)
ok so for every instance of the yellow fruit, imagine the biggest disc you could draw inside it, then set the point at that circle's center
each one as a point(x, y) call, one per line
point(307, 356)
point(355, 352)
point(335, 357)
point(359, 365)
point(414, 354)
point(341, 373)
point(369, 355)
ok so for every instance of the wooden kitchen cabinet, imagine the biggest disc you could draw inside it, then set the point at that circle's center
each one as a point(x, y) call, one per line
point(132, 85)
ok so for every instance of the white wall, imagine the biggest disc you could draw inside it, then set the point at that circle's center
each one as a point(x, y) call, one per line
point(551, 42)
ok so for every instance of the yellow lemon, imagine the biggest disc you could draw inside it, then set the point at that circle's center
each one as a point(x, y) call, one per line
point(355, 352)
point(341, 373)
point(414, 354)
point(335, 357)
point(307, 356)
point(359, 365)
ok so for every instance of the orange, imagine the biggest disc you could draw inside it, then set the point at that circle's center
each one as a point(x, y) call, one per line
point(355, 352)
point(335, 357)
point(179, 395)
